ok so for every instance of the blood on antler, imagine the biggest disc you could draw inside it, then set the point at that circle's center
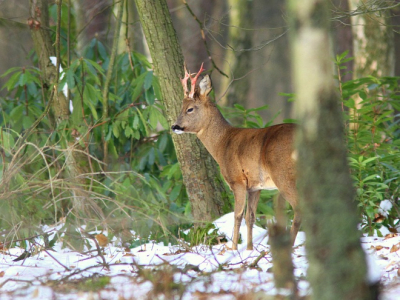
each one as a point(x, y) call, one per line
point(192, 81)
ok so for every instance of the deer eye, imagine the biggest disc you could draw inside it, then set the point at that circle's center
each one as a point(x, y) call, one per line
point(190, 110)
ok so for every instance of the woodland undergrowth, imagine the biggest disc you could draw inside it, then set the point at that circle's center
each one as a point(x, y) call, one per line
point(136, 192)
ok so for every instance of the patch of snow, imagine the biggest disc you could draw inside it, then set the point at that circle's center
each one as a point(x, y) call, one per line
point(384, 207)
point(383, 230)
point(53, 60)
point(233, 277)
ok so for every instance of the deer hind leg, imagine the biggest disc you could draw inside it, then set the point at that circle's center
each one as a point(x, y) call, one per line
point(252, 202)
point(240, 201)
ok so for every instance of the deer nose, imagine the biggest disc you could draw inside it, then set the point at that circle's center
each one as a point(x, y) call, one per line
point(177, 129)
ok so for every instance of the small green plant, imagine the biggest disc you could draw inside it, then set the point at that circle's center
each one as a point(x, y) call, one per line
point(94, 283)
point(203, 235)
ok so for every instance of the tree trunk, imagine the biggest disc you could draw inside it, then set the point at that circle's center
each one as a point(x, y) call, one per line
point(373, 44)
point(373, 40)
point(106, 84)
point(337, 262)
point(75, 162)
point(200, 172)
point(238, 56)
point(44, 49)
point(281, 250)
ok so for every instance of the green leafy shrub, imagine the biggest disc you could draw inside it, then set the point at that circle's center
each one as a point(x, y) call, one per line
point(370, 107)
point(137, 183)
point(141, 188)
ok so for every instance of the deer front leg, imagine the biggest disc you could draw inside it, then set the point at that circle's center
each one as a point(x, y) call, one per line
point(239, 192)
point(252, 203)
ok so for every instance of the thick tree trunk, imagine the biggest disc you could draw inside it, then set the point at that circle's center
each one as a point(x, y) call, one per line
point(200, 172)
point(337, 262)
point(238, 56)
point(75, 161)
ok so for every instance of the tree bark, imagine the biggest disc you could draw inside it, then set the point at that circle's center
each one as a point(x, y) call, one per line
point(281, 250)
point(75, 162)
point(44, 49)
point(200, 172)
point(238, 56)
point(337, 262)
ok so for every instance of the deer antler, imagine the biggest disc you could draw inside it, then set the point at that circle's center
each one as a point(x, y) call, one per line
point(184, 82)
point(193, 81)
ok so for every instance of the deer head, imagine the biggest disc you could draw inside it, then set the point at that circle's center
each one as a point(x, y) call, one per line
point(194, 113)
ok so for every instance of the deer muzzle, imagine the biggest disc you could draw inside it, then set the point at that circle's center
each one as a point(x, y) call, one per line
point(177, 129)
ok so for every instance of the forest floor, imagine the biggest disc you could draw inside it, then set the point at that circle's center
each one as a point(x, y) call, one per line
point(156, 271)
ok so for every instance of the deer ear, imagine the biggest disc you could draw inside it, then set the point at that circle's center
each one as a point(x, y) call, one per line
point(205, 86)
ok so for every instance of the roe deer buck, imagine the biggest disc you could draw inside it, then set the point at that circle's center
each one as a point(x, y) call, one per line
point(250, 159)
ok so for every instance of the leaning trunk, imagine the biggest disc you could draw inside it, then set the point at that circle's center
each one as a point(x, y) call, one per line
point(200, 172)
point(337, 262)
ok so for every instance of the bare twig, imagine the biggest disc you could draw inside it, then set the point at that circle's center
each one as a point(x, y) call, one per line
point(15, 280)
point(57, 261)
point(203, 36)
point(257, 48)
point(364, 9)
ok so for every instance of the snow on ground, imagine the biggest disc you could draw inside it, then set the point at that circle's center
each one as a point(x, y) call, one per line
point(217, 273)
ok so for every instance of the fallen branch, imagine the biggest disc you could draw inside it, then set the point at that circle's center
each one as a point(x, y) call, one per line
point(255, 262)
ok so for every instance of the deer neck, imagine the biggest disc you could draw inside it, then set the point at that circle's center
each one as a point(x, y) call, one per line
point(214, 132)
